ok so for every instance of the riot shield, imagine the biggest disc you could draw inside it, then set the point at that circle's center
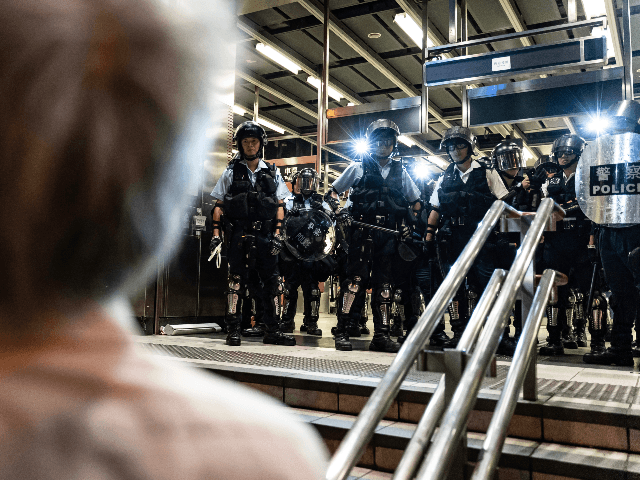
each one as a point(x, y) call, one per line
point(309, 234)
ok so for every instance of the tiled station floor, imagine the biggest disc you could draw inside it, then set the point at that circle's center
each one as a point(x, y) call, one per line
point(317, 355)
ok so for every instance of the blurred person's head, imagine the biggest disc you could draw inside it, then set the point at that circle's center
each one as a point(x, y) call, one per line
point(100, 128)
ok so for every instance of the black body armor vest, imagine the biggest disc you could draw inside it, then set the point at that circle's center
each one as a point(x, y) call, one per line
point(375, 196)
point(251, 203)
point(563, 192)
point(476, 185)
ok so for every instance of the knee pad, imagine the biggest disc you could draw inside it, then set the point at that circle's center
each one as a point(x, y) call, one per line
point(351, 290)
point(383, 297)
point(552, 316)
point(399, 305)
point(277, 291)
point(315, 302)
point(233, 294)
point(315, 294)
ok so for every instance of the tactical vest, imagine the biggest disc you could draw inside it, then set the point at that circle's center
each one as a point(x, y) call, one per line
point(246, 203)
point(476, 183)
point(563, 192)
point(375, 196)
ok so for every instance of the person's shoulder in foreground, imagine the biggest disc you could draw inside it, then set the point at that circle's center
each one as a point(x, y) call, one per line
point(85, 402)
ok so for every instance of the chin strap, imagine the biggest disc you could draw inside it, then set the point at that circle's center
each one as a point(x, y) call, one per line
point(510, 177)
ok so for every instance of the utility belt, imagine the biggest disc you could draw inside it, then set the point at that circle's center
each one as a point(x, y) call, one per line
point(263, 226)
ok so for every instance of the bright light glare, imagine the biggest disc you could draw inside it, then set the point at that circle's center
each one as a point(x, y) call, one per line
point(361, 146)
point(277, 57)
point(598, 124)
point(599, 32)
point(594, 8)
point(239, 110)
point(268, 124)
point(528, 155)
point(406, 140)
point(411, 28)
point(439, 162)
point(421, 170)
point(333, 93)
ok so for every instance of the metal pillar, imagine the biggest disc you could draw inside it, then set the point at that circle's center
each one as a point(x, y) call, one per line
point(424, 106)
point(453, 21)
point(326, 171)
point(255, 103)
point(572, 11)
point(463, 51)
point(323, 96)
point(627, 51)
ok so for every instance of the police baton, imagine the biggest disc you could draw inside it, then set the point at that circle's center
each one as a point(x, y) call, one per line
point(376, 227)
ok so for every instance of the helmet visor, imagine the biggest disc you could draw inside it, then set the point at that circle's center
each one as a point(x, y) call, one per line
point(509, 160)
point(307, 184)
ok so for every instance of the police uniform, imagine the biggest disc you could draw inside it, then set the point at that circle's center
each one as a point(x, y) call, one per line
point(383, 196)
point(565, 250)
point(302, 273)
point(250, 204)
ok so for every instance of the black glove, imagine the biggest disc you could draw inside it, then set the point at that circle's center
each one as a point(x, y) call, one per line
point(277, 244)
point(536, 181)
point(406, 231)
point(592, 251)
point(344, 218)
point(215, 241)
point(430, 248)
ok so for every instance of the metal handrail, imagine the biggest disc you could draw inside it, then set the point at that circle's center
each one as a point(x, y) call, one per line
point(452, 426)
point(414, 451)
point(492, 445)
point(354, 443)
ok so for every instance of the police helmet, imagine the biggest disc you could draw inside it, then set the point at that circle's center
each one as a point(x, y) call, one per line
point(624, 117)
point(250, 130)
point(307, 181)
point(381, 126)
point(569, 143)
point(548, 162)
point(458, 133)
point(507, 155)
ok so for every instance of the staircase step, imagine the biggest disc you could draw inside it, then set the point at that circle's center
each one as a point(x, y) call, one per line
point(520, 458)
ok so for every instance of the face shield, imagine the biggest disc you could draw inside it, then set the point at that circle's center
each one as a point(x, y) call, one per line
point(307, 181)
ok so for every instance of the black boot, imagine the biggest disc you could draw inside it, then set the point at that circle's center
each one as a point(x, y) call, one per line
point(581, 337)
point(569, 341)
point(610, 356)
point(552, 349)
point(381, 342)
point(439, 339)
point(303, 327)
point(256, 331)
point(507, 346)
point(342, 342)
point(364, 330)
point(353, 328)
point(287, 326)
point(233, 335)
point(311, 327)
point(278, 338)
point(396, 329)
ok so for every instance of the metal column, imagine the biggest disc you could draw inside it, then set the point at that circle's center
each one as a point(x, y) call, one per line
point(255, 104)
point(424, 110)
point(323, 97)
point(627, 51)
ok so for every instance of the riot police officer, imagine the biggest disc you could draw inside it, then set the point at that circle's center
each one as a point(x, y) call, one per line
point(304, 272)
point(250, 193)
point(382, 194)
point(619, 228)
point(462, 196)
point(565, 250)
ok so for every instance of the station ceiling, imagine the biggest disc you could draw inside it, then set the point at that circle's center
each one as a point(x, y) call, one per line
point(372, 59)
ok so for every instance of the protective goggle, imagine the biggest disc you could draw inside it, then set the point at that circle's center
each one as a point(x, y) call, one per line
point(456, 146)
point(387, 142)
point(564, 152)
point(307, 184)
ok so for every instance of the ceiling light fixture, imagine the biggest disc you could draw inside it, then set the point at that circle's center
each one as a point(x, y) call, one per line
point(239, 110)
point(374, 35)
point(277, 57)
point(411, 28)
point(406, 140)
point(594, 8)
point(268, 124)
point(333, 93)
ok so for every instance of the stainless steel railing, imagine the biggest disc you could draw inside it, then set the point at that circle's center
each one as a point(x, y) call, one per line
point(497, 432)
point(414, 451)
point(354, 443)
point(441, 452)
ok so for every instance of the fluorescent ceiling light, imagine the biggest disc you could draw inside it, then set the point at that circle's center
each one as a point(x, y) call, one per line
point(333, 93)
point(594, 8)
point(277, 57)
point(528, 155)
point(406, 140)
point(268, 124)
point(439, 162)
point(239, 110)
point(411, 28)
point(600, 32)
